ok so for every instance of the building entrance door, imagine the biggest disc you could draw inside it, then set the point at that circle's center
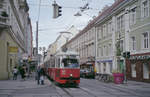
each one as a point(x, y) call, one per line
point(145, 71)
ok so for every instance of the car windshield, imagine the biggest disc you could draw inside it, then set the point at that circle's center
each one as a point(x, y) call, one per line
point(70, 63)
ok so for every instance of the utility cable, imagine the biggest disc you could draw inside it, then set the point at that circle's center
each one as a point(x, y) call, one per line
point(69, 7)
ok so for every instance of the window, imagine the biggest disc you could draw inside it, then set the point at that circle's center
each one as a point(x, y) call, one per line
point(133, 16)
point(104, 68)
point(145, 40)
point(99, 31)
point(145, 8)
point(120, 23)
point(70, 63)
point(121, 45)
point(109, 27)
point(104, 30)
point(104, 50)
point(99, 67)
point(1, 5)
point(110, 49)
point(110, 64)
point(133, 43)
point(98, 51)
point(101, 51)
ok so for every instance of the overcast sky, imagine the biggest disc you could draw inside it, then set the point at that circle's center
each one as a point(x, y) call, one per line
point(49, 28)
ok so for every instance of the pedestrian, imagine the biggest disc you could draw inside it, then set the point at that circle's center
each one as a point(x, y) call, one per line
point(38, 75)
point(22, 72)
point(42, 74)
point(15, 73)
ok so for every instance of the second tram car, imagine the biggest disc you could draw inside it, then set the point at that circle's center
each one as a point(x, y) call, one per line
point(63, 68)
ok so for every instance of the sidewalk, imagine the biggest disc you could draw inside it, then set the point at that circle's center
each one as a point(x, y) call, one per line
point(20, 84)
point(10, 88)
point(134, 84)
point(140, 88)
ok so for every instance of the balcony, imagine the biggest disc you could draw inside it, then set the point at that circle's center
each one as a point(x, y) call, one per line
point(23, 5)
point(3, 22)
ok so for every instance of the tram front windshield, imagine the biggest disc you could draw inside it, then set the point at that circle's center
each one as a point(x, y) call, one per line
point(70, 63)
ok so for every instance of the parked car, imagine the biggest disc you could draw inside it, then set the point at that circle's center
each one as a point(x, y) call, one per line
point(85, 73)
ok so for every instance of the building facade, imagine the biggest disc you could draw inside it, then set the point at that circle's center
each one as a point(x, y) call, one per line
point(125, 26)
point(84, 44)
point(14, 28)
point(63, 38)
point(138, 66)
point(110, 40)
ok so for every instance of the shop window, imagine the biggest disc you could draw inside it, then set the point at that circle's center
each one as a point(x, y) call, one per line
point(99, 66)
point(145, 71)
point(133, 70)
point(104, 68)
point(110, 67)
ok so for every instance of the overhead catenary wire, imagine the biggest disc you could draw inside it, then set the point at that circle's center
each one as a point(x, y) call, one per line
point(45, 29)
point(69, 7)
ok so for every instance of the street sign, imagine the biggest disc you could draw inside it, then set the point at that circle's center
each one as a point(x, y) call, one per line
point(13, 49)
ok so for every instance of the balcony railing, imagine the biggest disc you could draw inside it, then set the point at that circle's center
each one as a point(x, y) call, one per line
point(3, 21)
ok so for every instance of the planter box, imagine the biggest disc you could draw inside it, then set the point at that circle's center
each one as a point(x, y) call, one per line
point(118, 78)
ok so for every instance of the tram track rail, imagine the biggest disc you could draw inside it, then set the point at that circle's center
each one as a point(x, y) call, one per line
point(82, 89)
point(87, 92)
point(67, 91)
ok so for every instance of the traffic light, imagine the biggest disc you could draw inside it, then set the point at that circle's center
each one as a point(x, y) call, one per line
point(56, 10)
point(59, 11)
point(126, 54)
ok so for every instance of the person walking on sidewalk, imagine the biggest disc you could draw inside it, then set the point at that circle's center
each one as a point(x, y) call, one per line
point(42, 74)
point(38, 75)
point(22, 72)
point(15, 73)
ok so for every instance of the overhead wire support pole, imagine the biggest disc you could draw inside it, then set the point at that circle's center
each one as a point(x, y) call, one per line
point(37, 24)
point(37, 38)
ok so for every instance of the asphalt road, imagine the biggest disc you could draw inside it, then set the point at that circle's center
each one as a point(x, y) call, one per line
point(94, 88)
point(87, 88)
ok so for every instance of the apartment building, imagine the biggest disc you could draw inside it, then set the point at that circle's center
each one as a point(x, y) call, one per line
point(15, 31)
point(138, 66)
point(63, 38)
point(124, 27)
point(84, 44)
point(110, 31)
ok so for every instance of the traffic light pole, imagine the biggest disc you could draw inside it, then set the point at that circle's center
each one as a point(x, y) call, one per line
point(37, 42)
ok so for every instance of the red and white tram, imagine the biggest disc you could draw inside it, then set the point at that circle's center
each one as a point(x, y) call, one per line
point(63, 68)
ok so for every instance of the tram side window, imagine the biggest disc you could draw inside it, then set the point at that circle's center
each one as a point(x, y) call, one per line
point(58, 63)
